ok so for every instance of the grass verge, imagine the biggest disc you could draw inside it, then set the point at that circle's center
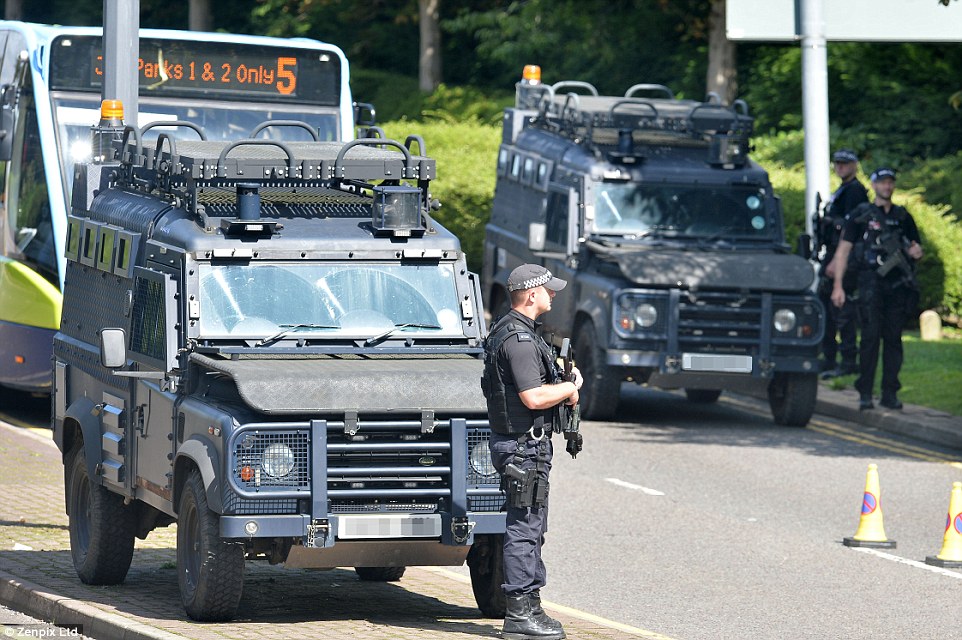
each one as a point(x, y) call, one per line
point(931, 374)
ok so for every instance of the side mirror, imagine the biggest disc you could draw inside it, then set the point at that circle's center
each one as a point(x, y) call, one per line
point(536, 236)
point(113, 348)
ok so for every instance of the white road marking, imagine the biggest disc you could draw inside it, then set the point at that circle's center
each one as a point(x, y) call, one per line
point(911, 563)
point(21, 547)
point(635, 487)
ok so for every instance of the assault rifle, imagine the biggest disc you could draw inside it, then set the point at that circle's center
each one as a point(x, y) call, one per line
point(894, 258)
point(570, 416)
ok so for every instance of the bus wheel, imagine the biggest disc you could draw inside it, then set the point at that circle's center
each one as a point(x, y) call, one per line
point(101, 527)
point(791, 397)
point(601, 390)
point(487, 574)
point(210, 570)
point(702, 396)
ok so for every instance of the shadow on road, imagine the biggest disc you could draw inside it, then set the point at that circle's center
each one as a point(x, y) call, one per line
point(24, 409)
point(657, 416)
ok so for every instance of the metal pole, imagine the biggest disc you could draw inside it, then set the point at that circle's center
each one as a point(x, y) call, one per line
point(121, 50)
point(814, 105)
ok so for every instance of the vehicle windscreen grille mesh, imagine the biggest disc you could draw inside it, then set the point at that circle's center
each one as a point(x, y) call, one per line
point(148, 329)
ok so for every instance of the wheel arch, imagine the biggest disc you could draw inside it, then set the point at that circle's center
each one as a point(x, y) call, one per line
point(81, 426)
point(591, 311)
point(198, 453)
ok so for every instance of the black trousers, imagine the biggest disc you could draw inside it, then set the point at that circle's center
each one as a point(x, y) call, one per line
point(843, 323)
point(884, 305)
point(524, 571)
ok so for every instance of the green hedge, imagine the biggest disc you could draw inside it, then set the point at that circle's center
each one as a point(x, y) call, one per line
point(466, 153)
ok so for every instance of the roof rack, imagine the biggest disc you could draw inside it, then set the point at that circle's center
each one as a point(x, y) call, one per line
point(602, 122)
point(329, 178)
point(259, 159)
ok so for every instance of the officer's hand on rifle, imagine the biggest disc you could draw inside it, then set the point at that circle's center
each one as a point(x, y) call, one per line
point(914, 251)
point(577, 380)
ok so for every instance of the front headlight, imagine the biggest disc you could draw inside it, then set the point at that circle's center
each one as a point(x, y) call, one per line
point(646, 315)
point(278, 460)
point(784, 320)
point(480, 459)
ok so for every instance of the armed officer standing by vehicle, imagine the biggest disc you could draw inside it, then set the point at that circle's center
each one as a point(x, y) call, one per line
point(524, 391)
point(849, 195)
point(888, 292)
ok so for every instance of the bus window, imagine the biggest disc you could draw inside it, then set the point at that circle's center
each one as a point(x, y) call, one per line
point(28, 214)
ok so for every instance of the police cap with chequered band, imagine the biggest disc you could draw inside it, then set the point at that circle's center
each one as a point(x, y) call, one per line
point(844, 155)
point(529, 276)
point(882, 172)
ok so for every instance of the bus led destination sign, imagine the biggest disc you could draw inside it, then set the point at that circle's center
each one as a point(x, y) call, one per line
point(195, 68)
point(248, 74)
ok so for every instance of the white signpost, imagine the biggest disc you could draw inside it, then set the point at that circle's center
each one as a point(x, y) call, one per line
point(815, 22)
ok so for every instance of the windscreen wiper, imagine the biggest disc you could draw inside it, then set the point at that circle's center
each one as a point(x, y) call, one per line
point(373, 340)
point(289, 329)
point(715, 237)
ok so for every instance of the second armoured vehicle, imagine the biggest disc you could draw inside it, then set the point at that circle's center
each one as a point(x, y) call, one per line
point(672, 240)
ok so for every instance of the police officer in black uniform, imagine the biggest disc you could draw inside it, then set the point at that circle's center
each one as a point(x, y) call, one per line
point(885, 301)
point(524, 392)
point(849, 195)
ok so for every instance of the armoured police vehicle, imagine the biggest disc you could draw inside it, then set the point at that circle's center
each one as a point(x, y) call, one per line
point(274, 346)
point(671, 239)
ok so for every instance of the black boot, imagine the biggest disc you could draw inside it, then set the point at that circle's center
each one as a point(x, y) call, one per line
point(890, 401)
point(520, 622)
point(538, 612)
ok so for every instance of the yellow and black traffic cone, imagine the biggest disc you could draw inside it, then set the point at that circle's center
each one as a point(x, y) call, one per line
point(870, 532)
point(951, 554)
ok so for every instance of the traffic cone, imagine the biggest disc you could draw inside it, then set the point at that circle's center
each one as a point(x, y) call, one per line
point(951, 554)
point(870, 532)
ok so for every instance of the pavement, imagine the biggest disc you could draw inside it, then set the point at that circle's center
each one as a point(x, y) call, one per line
point(912, 421)
point(37, 575)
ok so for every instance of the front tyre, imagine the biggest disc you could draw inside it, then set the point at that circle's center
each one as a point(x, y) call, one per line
point(485, 559)
point(210, 570)
point(101, 527)
point(791, 397)
point(601, 390)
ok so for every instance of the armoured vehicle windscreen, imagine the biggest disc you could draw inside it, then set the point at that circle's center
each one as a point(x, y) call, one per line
point(624, 208)
point(357, 300)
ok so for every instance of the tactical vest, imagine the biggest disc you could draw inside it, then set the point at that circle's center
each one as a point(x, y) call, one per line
point(879, 226)
point(507, 415)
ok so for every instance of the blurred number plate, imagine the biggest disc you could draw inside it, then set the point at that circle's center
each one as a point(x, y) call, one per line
point(727, 364)
point(389, 526)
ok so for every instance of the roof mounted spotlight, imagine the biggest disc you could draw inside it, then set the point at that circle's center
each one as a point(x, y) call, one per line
point(727, 151)
point(248, 223)
point(396, 211)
